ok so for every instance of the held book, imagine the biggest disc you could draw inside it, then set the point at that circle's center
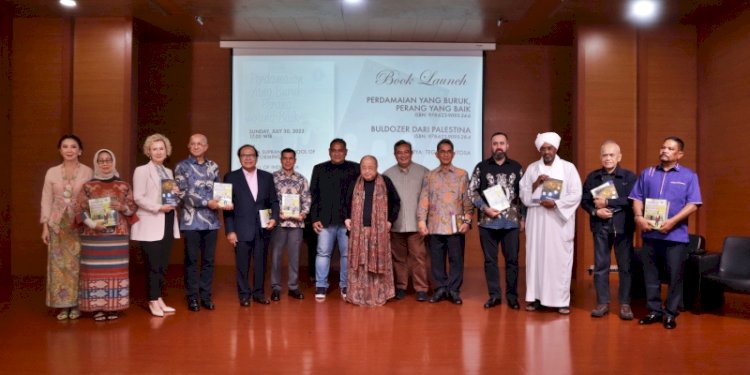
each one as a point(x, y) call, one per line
point(656, 211)
point(606, 190)
point(222, 193)
point(167, 192)
point(290, 205)
point(551, 189)
point(265, 217)
point(496, 198)
point(101, 212)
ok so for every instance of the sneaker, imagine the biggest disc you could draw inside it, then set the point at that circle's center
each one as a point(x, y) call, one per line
point(600, 310)
point(320, 294)
point(343, 292)
point(625, 312)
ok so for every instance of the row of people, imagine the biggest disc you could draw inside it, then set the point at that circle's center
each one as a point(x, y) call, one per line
point(383, 218)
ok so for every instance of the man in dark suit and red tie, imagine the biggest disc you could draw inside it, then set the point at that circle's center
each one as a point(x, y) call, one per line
point(252, 191)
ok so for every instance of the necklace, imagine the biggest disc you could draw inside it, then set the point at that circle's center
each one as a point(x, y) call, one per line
point(68, 181)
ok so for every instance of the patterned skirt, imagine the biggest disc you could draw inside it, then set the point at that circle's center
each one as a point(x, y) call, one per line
point(62, 266)
point(104, 282)
point(365, 288)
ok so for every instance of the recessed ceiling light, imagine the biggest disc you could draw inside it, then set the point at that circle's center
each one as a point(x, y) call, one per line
point(643, 11)
point(68, 3)
point(352, 1)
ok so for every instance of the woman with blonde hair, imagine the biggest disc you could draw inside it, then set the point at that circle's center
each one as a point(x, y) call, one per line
point(157, 227)
point(61, 186)
point(105, 206)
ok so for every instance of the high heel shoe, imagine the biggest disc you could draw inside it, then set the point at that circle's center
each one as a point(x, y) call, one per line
point(155, 309)
point(63, 314)
point(163, 306)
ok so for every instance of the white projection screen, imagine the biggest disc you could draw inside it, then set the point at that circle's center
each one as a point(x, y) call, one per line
point(370, 95)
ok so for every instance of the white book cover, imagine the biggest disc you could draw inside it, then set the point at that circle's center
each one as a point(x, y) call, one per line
point(222, 193)
point(496, 198)
point(265, 217)
point(290, 205)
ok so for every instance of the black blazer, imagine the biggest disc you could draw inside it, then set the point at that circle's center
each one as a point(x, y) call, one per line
point(244, 219)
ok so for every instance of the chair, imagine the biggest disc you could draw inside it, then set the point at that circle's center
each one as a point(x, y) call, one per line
point(726, 271)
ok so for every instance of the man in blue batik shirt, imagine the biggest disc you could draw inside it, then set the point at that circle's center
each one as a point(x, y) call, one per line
point(199, 221)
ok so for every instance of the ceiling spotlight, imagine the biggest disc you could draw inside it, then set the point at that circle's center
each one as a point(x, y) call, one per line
point(352, 1)
point(643, 11)
point(68, 3)
point(199, 20)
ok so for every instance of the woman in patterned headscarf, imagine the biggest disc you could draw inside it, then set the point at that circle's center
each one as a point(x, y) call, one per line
point(104, 205)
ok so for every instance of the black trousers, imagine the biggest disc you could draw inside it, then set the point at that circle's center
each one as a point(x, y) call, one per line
point(156, 254)
point(254, 251)
point(199, 244)
point(623, 244)
point(452, 246)
point(675, 254)
point(508, 239)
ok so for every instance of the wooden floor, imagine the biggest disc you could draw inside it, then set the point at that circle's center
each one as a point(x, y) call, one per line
point(404, 337)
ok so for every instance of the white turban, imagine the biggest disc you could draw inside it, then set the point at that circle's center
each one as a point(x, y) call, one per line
point(548, 137)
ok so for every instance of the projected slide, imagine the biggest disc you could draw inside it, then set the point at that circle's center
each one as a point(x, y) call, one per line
point(303, 102)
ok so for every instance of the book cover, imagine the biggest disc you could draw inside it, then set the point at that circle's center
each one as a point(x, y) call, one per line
point(100, 211)
point(290, 205)
point(551, 189)
point(606, 190)
point(167, 192)
point(656, 211)
point(265, 217)
point(496, 198)
point(222, 193)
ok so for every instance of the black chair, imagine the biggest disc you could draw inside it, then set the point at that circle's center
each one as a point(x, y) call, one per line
point(726, 271)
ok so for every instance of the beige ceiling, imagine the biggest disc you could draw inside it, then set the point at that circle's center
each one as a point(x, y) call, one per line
point(544, 21)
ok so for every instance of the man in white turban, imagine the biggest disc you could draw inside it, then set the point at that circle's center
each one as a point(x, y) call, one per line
point(551, 189)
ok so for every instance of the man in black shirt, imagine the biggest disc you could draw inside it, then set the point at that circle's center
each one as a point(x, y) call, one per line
point(612, 223)
point(328, 187)
point(499, 225)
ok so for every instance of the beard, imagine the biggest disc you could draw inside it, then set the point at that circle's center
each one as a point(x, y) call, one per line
point(498, 155)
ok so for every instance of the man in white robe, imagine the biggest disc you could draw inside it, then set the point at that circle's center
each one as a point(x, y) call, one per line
point(550, 226)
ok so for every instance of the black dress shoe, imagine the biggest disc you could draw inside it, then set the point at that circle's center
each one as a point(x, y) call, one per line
point(421, 296)
point(296, 294)
point(208, 304)
point(245, 302)
point(261, 299)
point(456, 297)
point(670, 322)
point(492, 302)
point(438, 296)
point(400, 294)
point(193, 304)
point(650, 319)
point(514, 305)
point(275, 295)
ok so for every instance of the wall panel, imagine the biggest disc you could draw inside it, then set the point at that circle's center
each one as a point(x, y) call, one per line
point(40, 114)
point(724, 111)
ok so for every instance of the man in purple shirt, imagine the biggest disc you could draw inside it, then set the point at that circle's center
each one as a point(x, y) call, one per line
point(678, 186)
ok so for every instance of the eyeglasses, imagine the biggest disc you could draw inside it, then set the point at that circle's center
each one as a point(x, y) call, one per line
point(248, 156)
point(104, 161)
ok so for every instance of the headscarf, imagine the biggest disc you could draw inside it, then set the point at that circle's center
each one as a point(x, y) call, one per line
point(549, 137)
point(98, 174)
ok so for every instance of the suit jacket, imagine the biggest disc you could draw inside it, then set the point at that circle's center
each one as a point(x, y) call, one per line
point(147, 195)
point(244, 219)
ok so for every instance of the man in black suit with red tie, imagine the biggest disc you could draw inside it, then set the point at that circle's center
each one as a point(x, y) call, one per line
point(252, 190)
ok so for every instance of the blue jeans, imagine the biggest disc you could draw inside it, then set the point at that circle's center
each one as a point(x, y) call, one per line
point(326, 239)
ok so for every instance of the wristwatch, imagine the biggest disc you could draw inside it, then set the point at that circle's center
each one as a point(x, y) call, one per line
point(467, 221)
